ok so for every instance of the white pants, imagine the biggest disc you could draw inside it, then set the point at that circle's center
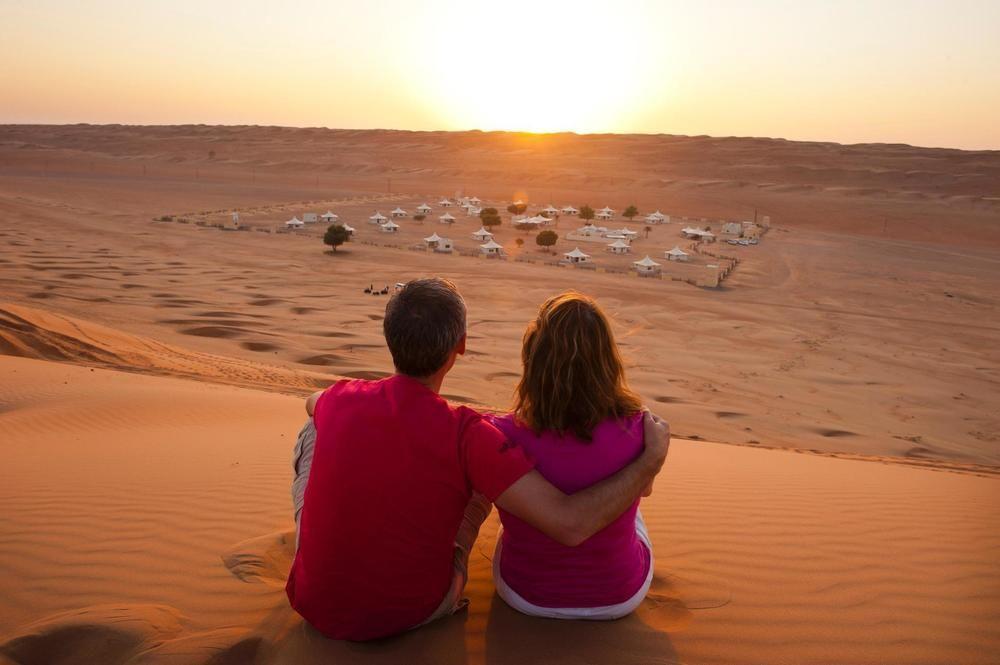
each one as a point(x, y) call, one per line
point(604, 613)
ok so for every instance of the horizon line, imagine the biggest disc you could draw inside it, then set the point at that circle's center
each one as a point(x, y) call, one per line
point(504, 131)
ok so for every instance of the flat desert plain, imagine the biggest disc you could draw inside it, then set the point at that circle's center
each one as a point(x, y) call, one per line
point(831, 495)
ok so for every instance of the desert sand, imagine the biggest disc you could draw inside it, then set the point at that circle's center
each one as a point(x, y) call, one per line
point(831, 496)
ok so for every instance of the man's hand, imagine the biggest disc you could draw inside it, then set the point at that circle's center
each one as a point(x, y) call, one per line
point(656, 433)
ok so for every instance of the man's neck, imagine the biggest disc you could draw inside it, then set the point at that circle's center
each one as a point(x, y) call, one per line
point(433, 382)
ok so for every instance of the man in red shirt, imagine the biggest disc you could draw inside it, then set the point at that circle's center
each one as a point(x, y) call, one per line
point(397, 483)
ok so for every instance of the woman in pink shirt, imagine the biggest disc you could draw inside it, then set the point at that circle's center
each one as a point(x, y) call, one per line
point(575, 414)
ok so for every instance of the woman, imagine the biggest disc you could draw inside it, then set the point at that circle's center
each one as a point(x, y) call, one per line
point(575, 414)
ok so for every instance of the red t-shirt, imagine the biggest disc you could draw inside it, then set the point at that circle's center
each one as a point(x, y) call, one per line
point(393, 469)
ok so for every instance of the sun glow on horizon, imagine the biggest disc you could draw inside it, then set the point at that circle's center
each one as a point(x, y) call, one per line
point(557, 71)
point(895, 71)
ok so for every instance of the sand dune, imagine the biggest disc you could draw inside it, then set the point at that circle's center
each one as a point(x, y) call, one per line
point(158, 533)
point(151, 376)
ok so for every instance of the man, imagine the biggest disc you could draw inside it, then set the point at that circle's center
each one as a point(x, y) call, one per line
point(399, 483)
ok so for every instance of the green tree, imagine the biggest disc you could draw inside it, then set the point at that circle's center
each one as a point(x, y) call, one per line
point(519, 242)
point(630, 212)
point(648, 229)
point(419, 217)
point(335, 236)
point(586, 213)
point(490, 217)
point(517, 208)
point(546, 239)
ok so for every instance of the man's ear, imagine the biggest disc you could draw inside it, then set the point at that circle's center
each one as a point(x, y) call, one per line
point(460, 347)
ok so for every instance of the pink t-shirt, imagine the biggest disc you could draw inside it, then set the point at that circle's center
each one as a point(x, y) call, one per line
point(609, 567)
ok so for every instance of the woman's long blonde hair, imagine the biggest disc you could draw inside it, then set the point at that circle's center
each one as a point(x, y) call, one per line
point(573, 374)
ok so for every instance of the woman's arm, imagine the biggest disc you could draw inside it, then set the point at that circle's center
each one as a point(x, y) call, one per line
point(572, 519)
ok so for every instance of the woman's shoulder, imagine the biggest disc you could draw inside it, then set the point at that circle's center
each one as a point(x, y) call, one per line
point(505, 422)
point(619, 428)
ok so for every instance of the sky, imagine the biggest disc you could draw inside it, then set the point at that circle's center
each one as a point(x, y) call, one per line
point(921, 72)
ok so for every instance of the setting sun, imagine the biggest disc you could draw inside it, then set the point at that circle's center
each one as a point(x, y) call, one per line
point(539, 69)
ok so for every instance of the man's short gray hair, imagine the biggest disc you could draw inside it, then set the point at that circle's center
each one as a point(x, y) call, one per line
point(424, 321)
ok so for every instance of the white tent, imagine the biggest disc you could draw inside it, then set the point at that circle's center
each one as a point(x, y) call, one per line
point(398, 212)
point(570, 210)
point(531, 221)
point(482, 235)
point(377, 218)
point(472, 211)
point(437, 243)
point(646, 266)
point(329, 217)
point(390, 227)
point(447, 218)
point(589, 230)
point(605, 213)
point(491, 248)
point(576, 256)
point(551, 211)
point(732, 228)
point(295, 223)
point(676, 254)
point(626, 232)
point(423, 208)
point(700, 234)
point(349, 229)
point(309, 217)
point(655, 217)
point(619, 247)
point(445, 203)
point(475, 200)
point(519, 202)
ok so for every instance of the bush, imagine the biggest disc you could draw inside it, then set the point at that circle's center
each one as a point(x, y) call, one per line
point(546, 238)
point(335, 236)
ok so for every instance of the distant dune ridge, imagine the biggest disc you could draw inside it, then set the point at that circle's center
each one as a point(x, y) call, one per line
point(849, 188)
point(151, 376)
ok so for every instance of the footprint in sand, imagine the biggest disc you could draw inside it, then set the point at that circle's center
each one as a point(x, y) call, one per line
point(673, 599)
point(493, 376)
point(126, 635)
point(262, 560)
